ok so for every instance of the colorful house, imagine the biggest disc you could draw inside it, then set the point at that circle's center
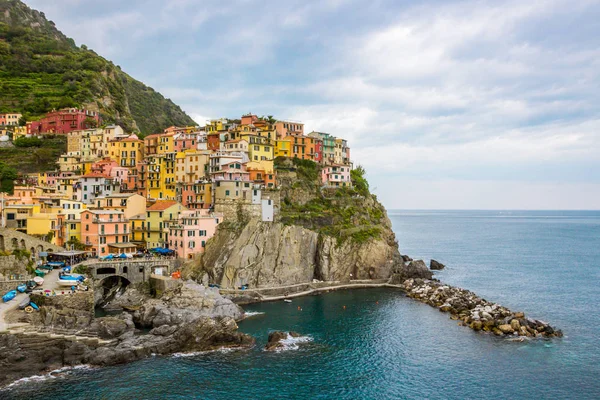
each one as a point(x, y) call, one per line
point(106, 232)
point(64, 121)
point(189, 234)
point(336, 176)
point(158, 216)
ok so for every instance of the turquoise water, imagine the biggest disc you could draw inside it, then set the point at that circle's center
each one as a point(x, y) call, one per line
point(385, 346)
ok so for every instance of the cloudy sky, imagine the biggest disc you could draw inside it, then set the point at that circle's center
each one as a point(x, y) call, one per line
point(447, 104)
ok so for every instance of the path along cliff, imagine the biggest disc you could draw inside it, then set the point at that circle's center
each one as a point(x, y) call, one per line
point(339, 234)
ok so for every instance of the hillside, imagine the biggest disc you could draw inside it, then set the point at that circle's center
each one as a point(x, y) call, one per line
point(42, 69)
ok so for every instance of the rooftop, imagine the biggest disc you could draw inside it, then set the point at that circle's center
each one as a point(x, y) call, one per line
point(161, 205)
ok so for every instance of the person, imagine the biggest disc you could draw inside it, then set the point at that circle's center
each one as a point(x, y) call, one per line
point(73, 289)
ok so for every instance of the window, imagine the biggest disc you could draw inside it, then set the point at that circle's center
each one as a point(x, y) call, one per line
point(10, 216)
point(73, 226)
point(227, 193)
point(202, 233)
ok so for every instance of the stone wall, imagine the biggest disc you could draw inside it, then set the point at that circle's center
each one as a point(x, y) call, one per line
point(12, 268)
point(11, 239)
point(7, 286)
point(232, 208)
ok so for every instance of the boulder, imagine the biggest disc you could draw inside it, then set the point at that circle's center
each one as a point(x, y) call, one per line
point(515, 325)
point(506, 328)
point(275, 338)
point(436, 265)
point(416, 269)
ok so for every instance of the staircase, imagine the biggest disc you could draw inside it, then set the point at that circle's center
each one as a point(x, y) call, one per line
point(40, 337)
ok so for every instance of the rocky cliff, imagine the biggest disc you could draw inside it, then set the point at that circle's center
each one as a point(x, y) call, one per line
point(329, 235)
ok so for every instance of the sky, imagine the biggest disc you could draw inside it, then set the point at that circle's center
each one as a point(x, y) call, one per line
point(446, 104)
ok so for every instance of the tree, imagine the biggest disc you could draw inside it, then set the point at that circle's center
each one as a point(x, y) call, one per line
point(7, 178)
point(77, 245)
point(90, 122)
point(357, 175)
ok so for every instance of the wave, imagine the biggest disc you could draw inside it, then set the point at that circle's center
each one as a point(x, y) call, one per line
point(249, 314)
point(54, 374)
point(292, 343)
point(222, 350)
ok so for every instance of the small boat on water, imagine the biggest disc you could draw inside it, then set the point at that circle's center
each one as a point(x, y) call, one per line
point(287, 300)
point(9, 296)
point(22, 288)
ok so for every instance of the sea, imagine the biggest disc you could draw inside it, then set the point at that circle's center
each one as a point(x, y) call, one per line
point(379, 344)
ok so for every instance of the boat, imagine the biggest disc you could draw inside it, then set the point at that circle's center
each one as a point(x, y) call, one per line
point(287, 300)
point(39, 273)
point(24, 303)
point(56, 264)
point(9, 296)
point(34, 306)
point(38, 280)
point(22, 288)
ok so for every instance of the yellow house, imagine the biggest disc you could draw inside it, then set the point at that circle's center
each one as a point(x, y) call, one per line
point(166, 144)
point(216, 125)
point(68, 224)
point(161, 176)
point(138, 233)
point(69, 162)
point(191, 165)
point(259, 148)
point(127, 152)
point(283, 147)
point(130, 204)
point(41, 224)
point(158, 217)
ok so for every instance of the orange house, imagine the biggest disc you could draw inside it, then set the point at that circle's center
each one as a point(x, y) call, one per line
point(105, 232)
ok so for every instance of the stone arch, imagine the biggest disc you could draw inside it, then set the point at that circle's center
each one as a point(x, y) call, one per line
point(125, 269)
point(110, 285)
point(49, 250)
point(2, 243)
point(14, 243)
point(23, 245)
point(106, 270)
point(39, 249)
point(32, 251)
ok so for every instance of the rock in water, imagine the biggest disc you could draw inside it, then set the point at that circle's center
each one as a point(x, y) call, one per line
point(435, 265)
point(416, 269)
point(275, 338)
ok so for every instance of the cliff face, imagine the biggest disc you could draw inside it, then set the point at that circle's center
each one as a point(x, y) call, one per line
point(336, 235)
point(267, 254)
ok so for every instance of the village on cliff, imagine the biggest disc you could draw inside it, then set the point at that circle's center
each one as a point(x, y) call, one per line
point(116, 194)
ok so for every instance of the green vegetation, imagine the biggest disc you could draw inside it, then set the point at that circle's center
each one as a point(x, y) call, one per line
point(82, 269)
point(41, 69)
point(7, 176)
point(28, 142)
point(77, 245)
point(28, 157)
point(344, 213)
point(21, 254)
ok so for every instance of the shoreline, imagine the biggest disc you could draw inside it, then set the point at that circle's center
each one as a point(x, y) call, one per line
point(432, 292)
point(462, 305)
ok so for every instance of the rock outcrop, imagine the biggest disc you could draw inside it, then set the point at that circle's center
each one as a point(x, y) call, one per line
point(436, 265)
point(416, 269)
point(275, 339)
point(265, 254)
point(189, 318)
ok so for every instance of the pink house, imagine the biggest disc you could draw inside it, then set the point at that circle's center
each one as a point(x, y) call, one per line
point(336, 175)
point(105, 232)
point(185, 141)
point(233, 171)
point(189, 234)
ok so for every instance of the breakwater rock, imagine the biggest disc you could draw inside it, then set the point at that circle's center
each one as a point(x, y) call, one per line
point(475, 312)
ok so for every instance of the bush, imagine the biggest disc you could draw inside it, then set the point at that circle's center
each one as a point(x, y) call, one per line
point(28, 142)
